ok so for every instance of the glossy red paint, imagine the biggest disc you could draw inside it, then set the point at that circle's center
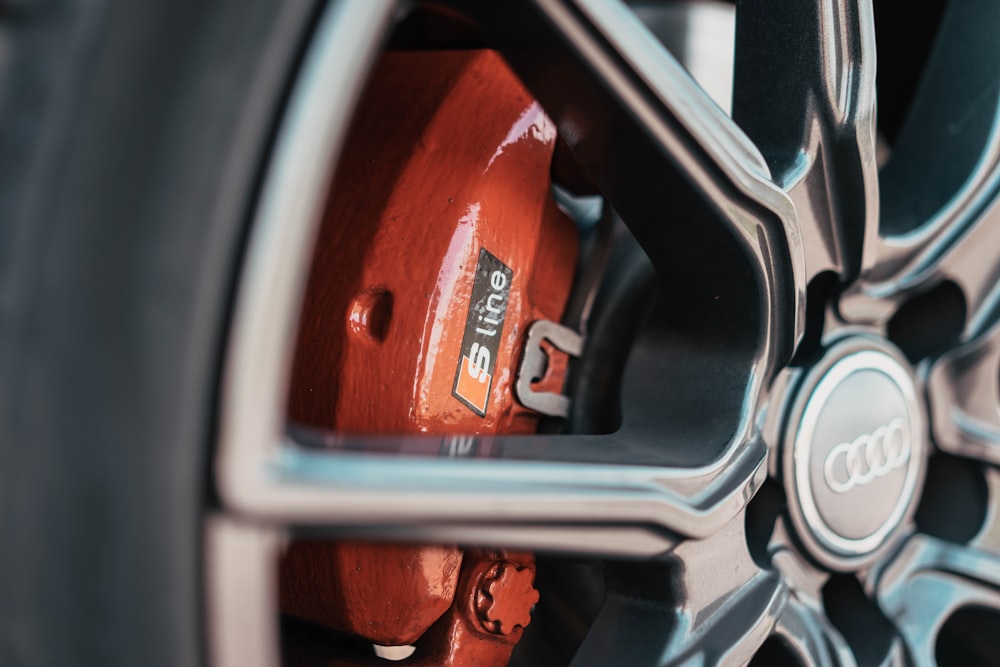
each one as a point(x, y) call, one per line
point(389, 594)
point(448, 155)
point(505, 597)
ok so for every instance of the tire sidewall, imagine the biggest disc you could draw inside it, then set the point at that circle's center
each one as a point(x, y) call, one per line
point(137, 131)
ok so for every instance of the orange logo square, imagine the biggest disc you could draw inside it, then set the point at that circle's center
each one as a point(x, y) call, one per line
point(474, 389)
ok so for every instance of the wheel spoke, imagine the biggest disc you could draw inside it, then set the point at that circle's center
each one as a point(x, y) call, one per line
point(683, 176)
point(970, 259)
point(930, 579)
point(803, 625)
point(939, 217)
point(988, 538)
point(973, 263)
point(589, 508)
point(964, 395)
point(804, 91)
point(811, 637)
point(241, 562)
point(710, 604)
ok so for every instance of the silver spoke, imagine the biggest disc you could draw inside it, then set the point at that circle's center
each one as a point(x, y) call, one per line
point(587, 508)
point(805, 93)
point(964, 395)
point(725, 610)
point(973, 263)
point(969, 257)
point(258, 363)
point(803, 625)
point(731, 605)
point(988, 538)
point(930, 579)
point(811, 637)
point(241, 561)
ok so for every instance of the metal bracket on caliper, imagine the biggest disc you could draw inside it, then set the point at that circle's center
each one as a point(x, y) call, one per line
point(533, 365)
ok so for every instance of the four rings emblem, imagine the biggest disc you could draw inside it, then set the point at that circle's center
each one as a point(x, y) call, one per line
point(868, 456)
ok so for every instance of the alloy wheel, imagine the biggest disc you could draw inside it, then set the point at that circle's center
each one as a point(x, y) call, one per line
point(819, 368)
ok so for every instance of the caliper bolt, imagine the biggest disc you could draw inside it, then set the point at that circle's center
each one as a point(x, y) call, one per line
point(504, 597)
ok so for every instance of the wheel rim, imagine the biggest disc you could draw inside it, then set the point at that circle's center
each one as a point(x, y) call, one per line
point(786, 196)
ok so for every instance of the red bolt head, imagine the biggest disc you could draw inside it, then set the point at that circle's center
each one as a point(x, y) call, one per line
point(505, 598)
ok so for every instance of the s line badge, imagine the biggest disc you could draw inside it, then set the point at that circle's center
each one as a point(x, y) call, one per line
point(483, 328)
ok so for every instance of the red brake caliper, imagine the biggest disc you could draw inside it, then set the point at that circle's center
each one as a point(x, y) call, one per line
point(441, 246)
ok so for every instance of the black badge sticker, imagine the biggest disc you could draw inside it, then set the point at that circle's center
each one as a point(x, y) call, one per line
point(483, 328)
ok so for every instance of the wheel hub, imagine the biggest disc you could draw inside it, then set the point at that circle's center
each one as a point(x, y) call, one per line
point(855, 452)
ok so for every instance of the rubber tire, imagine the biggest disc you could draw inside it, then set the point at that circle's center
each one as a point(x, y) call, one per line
point(133, 135)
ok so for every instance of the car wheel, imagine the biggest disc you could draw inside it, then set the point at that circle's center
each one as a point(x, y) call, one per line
point(784, 420)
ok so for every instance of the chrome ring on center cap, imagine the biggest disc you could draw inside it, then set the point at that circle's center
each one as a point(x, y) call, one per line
point(854, 453)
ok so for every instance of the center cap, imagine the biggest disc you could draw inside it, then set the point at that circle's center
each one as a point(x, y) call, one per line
point(856, 454)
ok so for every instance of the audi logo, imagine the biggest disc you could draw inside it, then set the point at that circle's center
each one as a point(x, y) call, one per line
point(868, 456)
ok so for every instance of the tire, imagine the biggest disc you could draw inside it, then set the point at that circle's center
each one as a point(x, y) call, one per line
point(132, 136)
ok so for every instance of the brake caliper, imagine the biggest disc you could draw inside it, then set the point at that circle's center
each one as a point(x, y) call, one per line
point(442, 246)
